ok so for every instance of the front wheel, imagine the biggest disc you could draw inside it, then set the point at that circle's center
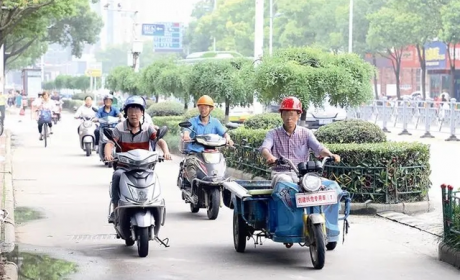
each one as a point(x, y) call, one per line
point(240, 230)
point(88, 149)
point(143, 242)
point(317, 248)
point(214, 204)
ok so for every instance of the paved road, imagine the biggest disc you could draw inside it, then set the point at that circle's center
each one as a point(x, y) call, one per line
point(72, 191)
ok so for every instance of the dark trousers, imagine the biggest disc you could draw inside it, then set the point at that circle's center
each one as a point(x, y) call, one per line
point(116, 185)
point(40, 126)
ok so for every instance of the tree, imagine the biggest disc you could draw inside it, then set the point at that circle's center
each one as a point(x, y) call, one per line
point(149, 76)
point(311, 75)
point(123, 78)
point(67, 22)
point(176, 81)
point(426, 24)
point(226, 81)
point(450, 34)
point(390, 30)
point(193, 40)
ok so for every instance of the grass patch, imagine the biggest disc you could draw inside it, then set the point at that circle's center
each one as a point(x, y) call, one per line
point(26, 214)
point(36, 266)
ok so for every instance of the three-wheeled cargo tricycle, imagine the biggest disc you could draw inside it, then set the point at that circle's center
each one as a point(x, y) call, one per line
point(306, 212)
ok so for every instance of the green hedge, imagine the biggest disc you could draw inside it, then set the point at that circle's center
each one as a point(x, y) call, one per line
point(166, 109)
point(387, 172)
point(172, 122)
point(264, 121)
point(216, 113)
point(351, 131)
point(81, 96)
point(69, 104)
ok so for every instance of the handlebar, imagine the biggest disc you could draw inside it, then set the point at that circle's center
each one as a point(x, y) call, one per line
point(285, 161)
point(160, 159)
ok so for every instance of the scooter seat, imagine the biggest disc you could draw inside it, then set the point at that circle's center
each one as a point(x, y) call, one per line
point(261, 192)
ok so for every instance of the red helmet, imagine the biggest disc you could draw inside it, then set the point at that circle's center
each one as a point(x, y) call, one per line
point(291, 103)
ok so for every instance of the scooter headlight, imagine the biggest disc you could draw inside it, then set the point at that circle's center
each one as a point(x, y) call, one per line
point(87, 124)
point(125, 160)
point(311, 183)
point(140, 195)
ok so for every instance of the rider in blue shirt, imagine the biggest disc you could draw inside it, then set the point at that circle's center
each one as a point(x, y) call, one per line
point(204, 124)
point(106, 110)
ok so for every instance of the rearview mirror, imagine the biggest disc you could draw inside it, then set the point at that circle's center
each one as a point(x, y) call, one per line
point(231, 125)
point(108, 133)
point(161, 132)
point(185, 124)
point(75, 108)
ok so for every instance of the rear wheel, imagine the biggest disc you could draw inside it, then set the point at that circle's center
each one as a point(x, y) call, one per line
point(143, 242)
point(193, 208)
point(129, 242)
point(240, 230)
point(214, 204)
point(45, 133)
point(331, 246)
point(318, 249)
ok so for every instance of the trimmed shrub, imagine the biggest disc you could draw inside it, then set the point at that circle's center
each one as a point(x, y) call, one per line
point(216, 113)
point(351, 131)
point(388, 172)
point(172, 122)
point(69, 104)
point(166, 109)
point(81, 96)
point(264, 121)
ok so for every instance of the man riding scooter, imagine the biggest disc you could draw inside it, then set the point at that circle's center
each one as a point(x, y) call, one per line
point(204, 124)
point(131, 134)
point(291, 141)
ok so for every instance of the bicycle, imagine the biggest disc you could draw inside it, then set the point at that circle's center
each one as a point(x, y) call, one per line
point(45, 117)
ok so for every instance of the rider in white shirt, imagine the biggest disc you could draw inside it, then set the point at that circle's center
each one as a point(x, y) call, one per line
point(87, 110)
point(48, 105)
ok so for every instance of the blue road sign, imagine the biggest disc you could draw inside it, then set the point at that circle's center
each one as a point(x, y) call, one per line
point(169, 40)
point(153, 29)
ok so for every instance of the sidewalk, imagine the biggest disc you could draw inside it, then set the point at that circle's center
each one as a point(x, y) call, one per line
point(8, 270)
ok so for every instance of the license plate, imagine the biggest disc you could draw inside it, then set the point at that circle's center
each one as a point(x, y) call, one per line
point(324, 121)
point(315, 199)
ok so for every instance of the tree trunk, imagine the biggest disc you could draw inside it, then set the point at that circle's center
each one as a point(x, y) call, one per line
point(157, 98)
point(452, 69)
point(303, 117)
point(186, 105)
point(422, 61)
point(227, 110)
point(396, 62)
point(374, 62)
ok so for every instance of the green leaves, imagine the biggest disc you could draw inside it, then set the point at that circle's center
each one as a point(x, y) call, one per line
point(311, 75)
point(31, 25)
point(124, 78)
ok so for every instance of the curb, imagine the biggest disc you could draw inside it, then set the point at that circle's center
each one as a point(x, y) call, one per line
point(9, 237)
point(356, 208)
point(449, 255)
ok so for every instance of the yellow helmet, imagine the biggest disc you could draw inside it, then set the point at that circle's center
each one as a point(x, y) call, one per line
point(205, 100)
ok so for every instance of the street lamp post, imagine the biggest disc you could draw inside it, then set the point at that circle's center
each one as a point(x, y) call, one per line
point(350, 28)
